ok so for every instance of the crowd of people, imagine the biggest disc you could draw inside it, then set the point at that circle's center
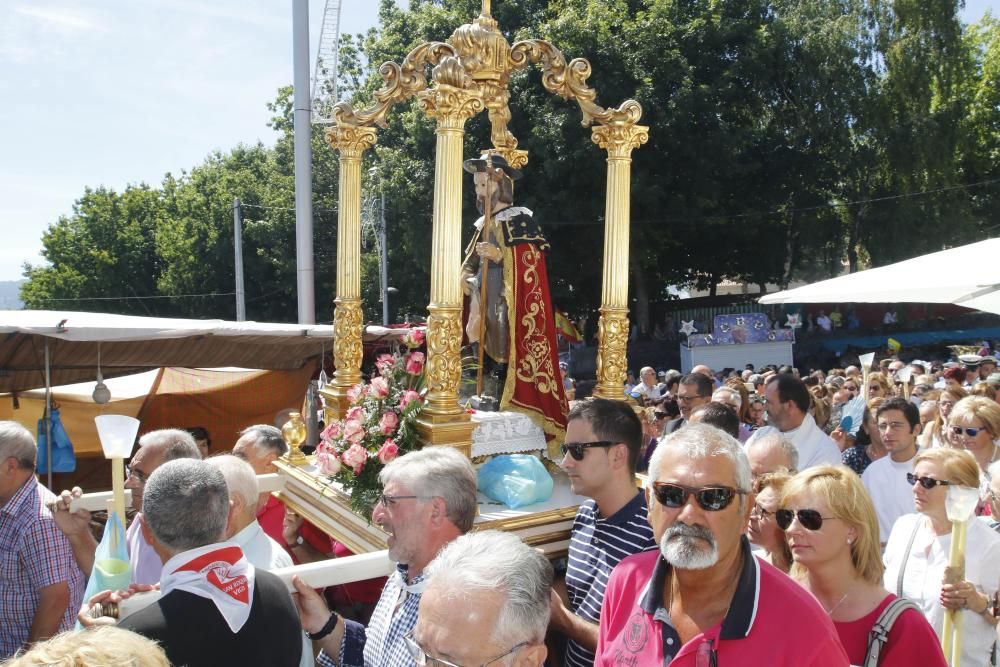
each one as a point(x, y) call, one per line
point(767, 529)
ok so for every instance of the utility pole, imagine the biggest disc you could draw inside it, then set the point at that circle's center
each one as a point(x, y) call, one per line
point(241, 306)
point(383, 258)
point(305, 272)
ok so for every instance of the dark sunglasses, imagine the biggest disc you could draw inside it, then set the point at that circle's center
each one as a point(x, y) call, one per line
point(809, 519)
point(709, 498)
point(926, 482)
point(971, 432)
point(575, 449)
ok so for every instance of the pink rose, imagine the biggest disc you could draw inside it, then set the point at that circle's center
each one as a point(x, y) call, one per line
point(356, 456)
point(414, 338)
point(380, 387)
point(415, 363)
point(331, 432)
point(389, 451)
point(355, 393)
point(388, 423)
point(327, 462)
point(355, 414)
point(354, 431)
point(408, 397)
point(384, 363)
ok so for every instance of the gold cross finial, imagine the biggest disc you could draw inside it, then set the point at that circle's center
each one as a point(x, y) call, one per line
point(486, 7)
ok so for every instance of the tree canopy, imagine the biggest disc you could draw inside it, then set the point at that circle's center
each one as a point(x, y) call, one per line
point(787, 138)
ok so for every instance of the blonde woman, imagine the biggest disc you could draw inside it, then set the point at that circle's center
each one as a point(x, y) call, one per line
point(832, 532)
point(879, 386)
point(104, 645)
point(935, 435)
point(919, 548)
point(763, 530)
point(974, 425)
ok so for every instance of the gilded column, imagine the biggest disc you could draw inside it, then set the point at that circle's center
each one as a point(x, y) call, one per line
point(619, 137)
point(351, 141)
point(452, 101)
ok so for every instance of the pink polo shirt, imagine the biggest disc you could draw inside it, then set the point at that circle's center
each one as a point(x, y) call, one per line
point(771, 621)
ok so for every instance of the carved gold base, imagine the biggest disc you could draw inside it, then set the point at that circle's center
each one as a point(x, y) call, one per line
point(295, 457)
point(332, 410)
point(455, 431)
point(612, 332)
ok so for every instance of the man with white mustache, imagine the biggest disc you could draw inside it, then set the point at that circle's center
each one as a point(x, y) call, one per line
point(703, 598)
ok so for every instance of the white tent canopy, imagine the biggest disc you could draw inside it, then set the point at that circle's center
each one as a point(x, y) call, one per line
point(966, 276)
point(129, 344)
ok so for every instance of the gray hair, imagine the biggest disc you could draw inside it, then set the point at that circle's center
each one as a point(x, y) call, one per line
point(240, 478)
point(186, 504)
point(17, 441)
point(438, 472)
point(267, 439)
point(176, 444)
point(701, 441)
point(732, 393)
point(480, 562)
point(778, 441)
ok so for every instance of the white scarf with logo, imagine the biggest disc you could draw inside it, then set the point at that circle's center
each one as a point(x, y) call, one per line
point(218, 572)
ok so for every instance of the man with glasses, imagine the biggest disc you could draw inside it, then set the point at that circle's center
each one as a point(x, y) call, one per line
point(603, 440)
point(486, 603)
point(788, 404)
point(428, 500)
point(898, 422)
point(694, 390)
point(703, 599)
point(155, 449)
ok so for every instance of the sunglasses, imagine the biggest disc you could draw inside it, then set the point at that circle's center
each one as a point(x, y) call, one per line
point(709, 498)
point(575, 449)
point(969, 431)
point(926, 482)
point(808, 519)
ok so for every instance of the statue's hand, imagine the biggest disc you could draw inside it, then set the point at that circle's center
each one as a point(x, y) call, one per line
point(489, 251)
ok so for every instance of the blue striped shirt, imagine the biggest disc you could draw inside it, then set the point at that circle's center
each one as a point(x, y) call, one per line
point(598, 544)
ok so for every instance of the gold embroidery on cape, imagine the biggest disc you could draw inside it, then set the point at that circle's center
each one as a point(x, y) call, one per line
point(535, 366)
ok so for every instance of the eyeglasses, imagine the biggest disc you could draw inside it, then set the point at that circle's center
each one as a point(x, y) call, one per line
point(709, 498)
point(891, 426)
point(389, 501)
point(139, 476)
point(421, 659)
point(575, 449)
point(969, 431)
point(850, 387)
point(926, 482)
point(688, 399)
point(760, 513)
point(808, 519)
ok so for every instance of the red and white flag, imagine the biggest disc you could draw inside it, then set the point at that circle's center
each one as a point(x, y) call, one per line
point(219, 572)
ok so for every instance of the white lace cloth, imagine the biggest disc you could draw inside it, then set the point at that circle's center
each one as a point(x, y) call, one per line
point(505, 433)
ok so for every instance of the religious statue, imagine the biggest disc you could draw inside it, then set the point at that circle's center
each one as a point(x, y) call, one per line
point(510, 308)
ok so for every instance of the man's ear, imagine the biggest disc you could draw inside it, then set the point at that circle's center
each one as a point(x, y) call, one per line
point(234, 512)
point(439, 512)
point(146, 532)
point(271, 457)
point(532, 656)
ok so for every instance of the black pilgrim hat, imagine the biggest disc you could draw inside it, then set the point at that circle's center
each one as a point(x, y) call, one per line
point(474, 165)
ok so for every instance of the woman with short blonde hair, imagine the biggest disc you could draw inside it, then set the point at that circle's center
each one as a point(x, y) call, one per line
point(918, 553)
point(832, 531)
point(103, 645)
point(762, 530)
point(936, 434)
point(878, 387)
point(974, 426)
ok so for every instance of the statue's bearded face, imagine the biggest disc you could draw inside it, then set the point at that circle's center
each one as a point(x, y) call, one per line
point(481, 179)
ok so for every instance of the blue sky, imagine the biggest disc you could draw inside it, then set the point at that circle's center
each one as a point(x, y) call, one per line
point(112, 92)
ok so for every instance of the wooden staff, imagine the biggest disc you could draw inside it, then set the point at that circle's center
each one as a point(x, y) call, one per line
point(484, 267)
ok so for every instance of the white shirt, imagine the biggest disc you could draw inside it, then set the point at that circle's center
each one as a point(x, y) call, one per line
point(924, 573)
point(891, 494)
point(260, 549)
point(146, 563)
point(814, 447)
point(651, 393)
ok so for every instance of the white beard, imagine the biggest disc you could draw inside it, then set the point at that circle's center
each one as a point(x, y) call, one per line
point(683, 547)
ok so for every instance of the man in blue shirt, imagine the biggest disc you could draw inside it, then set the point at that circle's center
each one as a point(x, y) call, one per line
point(603, 440)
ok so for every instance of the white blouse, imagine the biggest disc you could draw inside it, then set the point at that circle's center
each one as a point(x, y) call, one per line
point(924, 572)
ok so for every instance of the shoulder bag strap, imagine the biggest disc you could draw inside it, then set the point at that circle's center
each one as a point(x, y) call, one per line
point(906, 557)
point(879, 633)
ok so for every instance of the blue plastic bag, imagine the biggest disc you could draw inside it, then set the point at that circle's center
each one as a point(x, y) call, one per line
point(515, 480)
point(63, 458)
point(112, 570)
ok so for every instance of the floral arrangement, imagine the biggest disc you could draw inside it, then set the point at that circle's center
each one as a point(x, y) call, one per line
point(378, 426)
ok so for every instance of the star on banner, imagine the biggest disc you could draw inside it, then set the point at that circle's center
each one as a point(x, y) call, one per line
point(687, 328)
point(794, 321)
